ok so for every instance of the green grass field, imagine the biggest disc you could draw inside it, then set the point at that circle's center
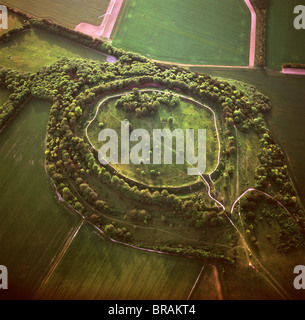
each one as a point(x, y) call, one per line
point(285, 44)
point(185, 116)
point(33, 225)
point(196, 31)
point(68, 13)
point(34, 49)
point(95, 269)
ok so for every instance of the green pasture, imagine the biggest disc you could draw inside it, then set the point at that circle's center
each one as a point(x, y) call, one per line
point(194, 32)
point(185, 116)
point(95, 269)
point(33, 225)
point(68, 13)
point(285, 44)
point(34, 49)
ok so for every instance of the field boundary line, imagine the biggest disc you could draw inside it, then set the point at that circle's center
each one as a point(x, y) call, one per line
point(200, 65)
point(120, 221)
point(108, 13)
point(217, 283)
point(137, 247)
point(195, 284)
point(252, 35)
point(109, 20)
point(105, 29)
point(58, 259)
point(251, 50)
point(118, 20)
point(294, 71)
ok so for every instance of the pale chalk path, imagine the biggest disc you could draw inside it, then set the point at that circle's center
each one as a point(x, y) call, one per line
point(59, 257)
point(253, 34)
point(295, 71)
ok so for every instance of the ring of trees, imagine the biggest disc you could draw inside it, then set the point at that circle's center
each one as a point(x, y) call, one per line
point(178, 190)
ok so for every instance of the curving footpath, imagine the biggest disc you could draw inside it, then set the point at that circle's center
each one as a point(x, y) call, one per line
point(162, 91)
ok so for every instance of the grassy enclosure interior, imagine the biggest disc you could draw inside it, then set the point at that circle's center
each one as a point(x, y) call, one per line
point(185, 116)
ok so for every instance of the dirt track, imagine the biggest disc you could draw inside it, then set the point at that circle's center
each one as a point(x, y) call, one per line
point(113, 10)
point(253, 34)
point(105, 29)
point(295, 71)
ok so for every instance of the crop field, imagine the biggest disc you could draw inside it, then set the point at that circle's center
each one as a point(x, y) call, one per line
point(95, 269)
point(285, 44)
point(34, 228)
point(68, 13)
point(193, 32)
point(33, 225)
point(34, 49)
point(186, 115)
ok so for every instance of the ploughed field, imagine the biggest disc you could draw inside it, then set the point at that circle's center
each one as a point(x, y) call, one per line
point(285, 44)
point(68, 13)
point(35, 230)
point(33, 226)
point(95, 269)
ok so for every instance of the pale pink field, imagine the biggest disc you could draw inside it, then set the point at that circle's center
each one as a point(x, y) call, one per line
point(294, 71)
point(104, 30)
point(253, 33)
